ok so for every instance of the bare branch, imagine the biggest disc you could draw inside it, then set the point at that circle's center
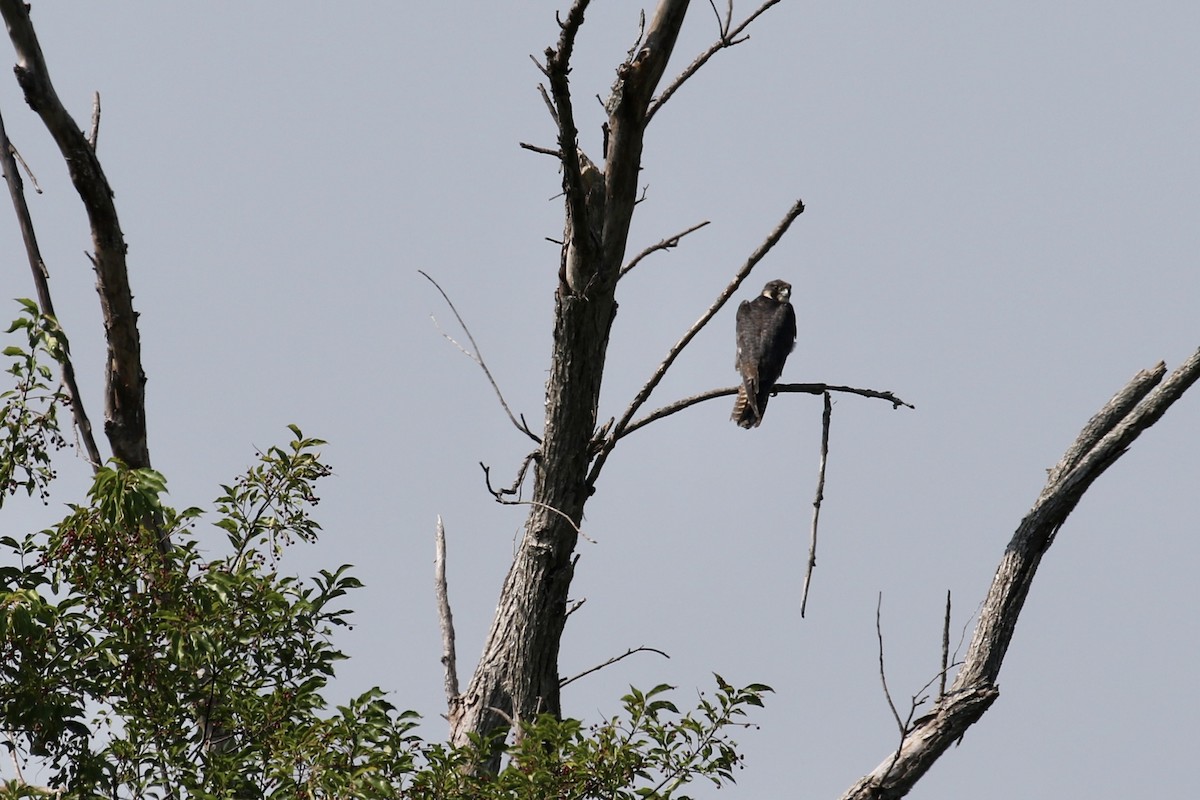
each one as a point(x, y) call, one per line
point(25, 166)
point(1108, 418)
point(627, 104)
point(477, 357)
point(882, 673)
point(542, 69)
point(1098, 446)
point(637, 43)
point(665, 244)
point(945, 649)
point(558, 68)
point(41, 280)
point(446, 622)
point(780, 388)
point(501, 495)
point(125, 411)
point(619, 429)
point(1106, 437)
point(546, 151)
point(728, 38)
point(611, 661)
point(515, 489)
point(94, 133)
point(812, 544)
point(546, 97)
point(720, 24)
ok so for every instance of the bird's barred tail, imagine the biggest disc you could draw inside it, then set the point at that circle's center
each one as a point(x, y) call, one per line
point(744, 413)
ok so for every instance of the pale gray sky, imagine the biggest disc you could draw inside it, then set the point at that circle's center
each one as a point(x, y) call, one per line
point(1000, 228)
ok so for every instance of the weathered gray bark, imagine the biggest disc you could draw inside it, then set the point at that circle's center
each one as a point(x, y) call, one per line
point(124, 411)
point(1105, 438)
point(517, 676)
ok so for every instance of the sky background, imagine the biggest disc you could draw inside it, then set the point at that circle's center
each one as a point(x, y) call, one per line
point(1001, 228)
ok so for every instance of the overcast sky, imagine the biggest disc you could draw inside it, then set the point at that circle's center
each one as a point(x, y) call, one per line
point(1001, 228)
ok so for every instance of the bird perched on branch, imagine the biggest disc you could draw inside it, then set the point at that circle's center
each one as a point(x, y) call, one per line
point(766, 334)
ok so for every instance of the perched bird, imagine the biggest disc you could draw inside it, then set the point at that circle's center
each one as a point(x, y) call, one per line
point(766, 334)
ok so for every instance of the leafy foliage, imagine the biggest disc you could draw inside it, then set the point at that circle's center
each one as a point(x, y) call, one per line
point(129, 669)
point(133, 672)
point(29, 417)
point(650, 750)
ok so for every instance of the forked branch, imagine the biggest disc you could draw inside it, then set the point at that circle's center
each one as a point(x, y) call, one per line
point(41, 280)
point(558, 69)
point(1105, 438)
point(728, 38)
point(644, 393)
point(125, 412)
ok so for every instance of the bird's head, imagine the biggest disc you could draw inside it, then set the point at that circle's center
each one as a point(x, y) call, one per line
point(777, 290)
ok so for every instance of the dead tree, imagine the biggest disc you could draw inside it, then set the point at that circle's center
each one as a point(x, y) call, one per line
point(517, 676)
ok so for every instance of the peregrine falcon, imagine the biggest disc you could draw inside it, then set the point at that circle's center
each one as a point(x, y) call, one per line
point(766, 334)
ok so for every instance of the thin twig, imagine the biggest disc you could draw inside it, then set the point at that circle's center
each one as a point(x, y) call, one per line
point(962, 634)
point(445, 619)
point(515, 489)
point(477, 357)
point(41, 280)
point(900, 724)
point(551, 508)
point(728, 38)
point(637, 45)
point(945, 649)
point(37, 189)
point(720, 24)
point(500, 495)
point(619, 429)
point(611, 661)
point(665, 244)
point(882, 672)
point(812, 544)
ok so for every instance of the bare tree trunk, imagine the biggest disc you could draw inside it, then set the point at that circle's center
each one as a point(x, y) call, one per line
point(517, 676)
